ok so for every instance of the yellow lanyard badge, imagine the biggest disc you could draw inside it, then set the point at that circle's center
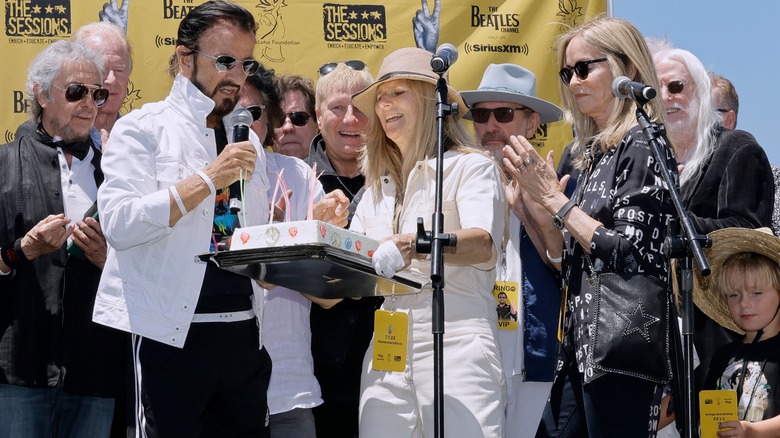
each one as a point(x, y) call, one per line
point(507, 298)
point(390, 337)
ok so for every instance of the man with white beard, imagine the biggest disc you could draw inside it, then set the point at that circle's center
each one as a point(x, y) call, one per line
point(726, 180)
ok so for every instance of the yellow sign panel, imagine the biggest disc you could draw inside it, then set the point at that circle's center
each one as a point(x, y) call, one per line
point(297, 36)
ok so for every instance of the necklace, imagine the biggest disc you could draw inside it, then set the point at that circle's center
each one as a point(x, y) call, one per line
point(351, 194)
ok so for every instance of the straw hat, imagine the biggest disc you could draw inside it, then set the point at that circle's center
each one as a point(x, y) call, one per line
point(512, 83)
point(408, 63)
point(725, 243)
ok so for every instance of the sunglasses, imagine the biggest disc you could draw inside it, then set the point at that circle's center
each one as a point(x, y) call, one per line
point(354, 64)
point(256, 111)
point(502, 114)
point(581, 69)
point(227, 62)
point(298, 118)
point(76, 92)
point(675, 87)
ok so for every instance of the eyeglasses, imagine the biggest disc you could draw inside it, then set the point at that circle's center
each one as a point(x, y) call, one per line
point(354, 64)
point(502, 114)
point(676, 87)
point(227, 62)
point(581, 69)
point(76, 92)
point(256, 111)
point(298, 118)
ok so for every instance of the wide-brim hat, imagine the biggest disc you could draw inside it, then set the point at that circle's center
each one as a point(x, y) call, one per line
point(512, 83)
point(408, 63)
point(725, 243)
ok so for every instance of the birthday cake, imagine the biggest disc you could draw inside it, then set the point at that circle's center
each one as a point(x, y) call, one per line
point(302, 233)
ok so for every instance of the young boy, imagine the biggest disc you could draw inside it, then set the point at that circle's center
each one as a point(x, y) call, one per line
point(743, 295)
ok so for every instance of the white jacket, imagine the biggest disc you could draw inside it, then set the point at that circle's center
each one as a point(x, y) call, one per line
point(473, 197)
point(151, 281)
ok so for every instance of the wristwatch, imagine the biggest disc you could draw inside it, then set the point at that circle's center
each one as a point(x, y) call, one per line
point(558, 218)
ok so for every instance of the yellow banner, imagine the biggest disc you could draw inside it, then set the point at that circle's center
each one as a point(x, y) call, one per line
point(297, 36)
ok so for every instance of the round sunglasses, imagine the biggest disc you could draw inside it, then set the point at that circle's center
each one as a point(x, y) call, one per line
point(354, 64)
point(297, 118)
point(675, 87)
point(256, 111)
point(227, 62)
point(76, 92)
point(502, 114)
point(581, 69)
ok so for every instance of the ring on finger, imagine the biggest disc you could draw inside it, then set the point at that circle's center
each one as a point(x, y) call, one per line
point(528, 161)
point(521, 166)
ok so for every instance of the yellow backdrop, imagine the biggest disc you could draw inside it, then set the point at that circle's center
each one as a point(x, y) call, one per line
point(297, 36)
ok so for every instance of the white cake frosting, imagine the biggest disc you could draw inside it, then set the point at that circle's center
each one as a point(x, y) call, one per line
point(302, 233)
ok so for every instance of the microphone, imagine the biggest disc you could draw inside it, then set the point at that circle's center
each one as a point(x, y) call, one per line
point(445, 56)
point(242, 119)
point(636, 91)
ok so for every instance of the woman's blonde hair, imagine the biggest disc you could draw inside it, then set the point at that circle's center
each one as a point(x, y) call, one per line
point(382, 157)
point(627, 55)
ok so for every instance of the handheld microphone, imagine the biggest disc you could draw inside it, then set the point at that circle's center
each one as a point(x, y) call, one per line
point(636, 91)
point(242, 119)
point(445, 56)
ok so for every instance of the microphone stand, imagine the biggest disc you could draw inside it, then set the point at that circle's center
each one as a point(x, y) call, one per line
point(682, 248)
point(434, 243)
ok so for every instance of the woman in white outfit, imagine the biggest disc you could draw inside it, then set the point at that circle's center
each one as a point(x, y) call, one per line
point(400, 167)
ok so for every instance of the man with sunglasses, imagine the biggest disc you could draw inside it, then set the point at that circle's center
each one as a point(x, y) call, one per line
point(297, 126)
point(726, 180)
point(52, 173)
point(505, 104)
point(199, 362)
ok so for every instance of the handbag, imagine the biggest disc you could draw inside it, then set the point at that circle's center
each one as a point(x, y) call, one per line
point(631, 325)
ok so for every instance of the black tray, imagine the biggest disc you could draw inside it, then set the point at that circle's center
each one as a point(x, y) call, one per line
point(317, 269)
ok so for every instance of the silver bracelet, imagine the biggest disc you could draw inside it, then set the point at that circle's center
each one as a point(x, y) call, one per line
point(551, 259)
point(208, 180)
point(178, 200)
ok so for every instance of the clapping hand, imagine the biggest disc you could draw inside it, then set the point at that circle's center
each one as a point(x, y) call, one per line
point(46, 236)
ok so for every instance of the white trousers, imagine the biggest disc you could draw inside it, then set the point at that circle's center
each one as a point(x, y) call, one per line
point(400, 404)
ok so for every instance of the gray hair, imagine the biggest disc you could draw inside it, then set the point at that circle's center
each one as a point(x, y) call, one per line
point(708, 118)
point(45, 68)
point(109, 31)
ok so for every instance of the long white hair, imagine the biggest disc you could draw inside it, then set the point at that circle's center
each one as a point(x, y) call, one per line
point(708, 118)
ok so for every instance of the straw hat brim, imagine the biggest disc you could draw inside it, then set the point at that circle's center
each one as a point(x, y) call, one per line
point(725, 243)
point(365, 99)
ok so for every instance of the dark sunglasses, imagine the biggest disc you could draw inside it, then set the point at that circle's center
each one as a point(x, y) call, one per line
point(581, 69)
point(298, 118)
point(675, 87)
point(75, 92)
point(227, 62)
point(256, 111)
point(354, 64)
point(502, 114)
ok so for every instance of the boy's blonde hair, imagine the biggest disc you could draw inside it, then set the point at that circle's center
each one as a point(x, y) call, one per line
point(764, 271)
